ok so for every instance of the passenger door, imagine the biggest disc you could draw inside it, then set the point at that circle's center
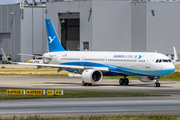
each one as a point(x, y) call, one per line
point(148, 60)
point(105, 59)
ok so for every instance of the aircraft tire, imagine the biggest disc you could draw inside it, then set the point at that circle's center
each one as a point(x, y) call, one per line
point(84, 84)
point(121, 81)
point(89, 84)
point(126, 81)
point(156, 84)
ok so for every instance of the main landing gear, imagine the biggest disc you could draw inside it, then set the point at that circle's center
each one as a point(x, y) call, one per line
point(156, 84)
point(124, 81)
point(86, 84)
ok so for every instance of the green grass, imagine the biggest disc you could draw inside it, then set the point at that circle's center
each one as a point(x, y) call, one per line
point(175, 76)
point(123, 117)
point(51, 75)
point(73, 94)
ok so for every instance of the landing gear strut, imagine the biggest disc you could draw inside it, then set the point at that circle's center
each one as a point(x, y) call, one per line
point(156, 84)
point(124, 81)
point(86, 84)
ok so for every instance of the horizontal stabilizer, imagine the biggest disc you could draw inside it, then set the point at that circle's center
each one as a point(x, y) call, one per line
point(34, 56)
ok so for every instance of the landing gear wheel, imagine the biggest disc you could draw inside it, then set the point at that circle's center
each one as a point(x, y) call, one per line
point(89, 84)
point(126, 81)
point(156, 84)
point(84, 84)
point(121, 81)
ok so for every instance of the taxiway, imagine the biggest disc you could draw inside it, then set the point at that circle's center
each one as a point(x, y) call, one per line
point(90, 106)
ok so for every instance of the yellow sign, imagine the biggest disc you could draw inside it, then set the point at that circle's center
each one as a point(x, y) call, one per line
point(58, 92)
point(50, 92)
point(35, 92)
point(16, 92)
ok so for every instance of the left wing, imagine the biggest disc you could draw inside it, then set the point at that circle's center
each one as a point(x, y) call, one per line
point(62, 67)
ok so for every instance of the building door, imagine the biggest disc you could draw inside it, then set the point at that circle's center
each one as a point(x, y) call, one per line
point(148, 61)
point(70, 31)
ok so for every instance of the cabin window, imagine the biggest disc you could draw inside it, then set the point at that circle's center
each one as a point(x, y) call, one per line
point(157, 60)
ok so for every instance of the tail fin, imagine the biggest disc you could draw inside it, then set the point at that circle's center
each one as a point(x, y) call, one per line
point(53, 40)
point(175, 55)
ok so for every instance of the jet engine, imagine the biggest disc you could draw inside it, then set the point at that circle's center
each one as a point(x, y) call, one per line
point(92, 76)
point(146, 79)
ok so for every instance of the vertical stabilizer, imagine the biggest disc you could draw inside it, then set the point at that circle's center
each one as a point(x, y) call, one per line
point(53, 40)
point(175, 55)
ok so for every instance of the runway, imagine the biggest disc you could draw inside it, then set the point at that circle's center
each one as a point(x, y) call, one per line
point(90, 106)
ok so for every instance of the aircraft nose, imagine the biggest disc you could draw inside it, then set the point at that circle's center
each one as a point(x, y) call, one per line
point(171, 68)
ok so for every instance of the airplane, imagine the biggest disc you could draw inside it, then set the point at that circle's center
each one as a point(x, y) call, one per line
point(93, 65)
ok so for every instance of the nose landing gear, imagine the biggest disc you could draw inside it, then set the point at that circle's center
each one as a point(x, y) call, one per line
point(156, 84)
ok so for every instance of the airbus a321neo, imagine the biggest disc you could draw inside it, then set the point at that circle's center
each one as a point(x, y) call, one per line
point(93, 65)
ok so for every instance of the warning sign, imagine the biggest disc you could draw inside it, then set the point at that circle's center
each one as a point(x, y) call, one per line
point(50, 92)
point(35, 92)
point(58, 92)
point(16, 92)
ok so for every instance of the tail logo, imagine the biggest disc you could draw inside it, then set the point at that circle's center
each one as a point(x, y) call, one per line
point(51, 40)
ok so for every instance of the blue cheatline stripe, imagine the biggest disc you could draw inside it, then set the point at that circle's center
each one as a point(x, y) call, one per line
point(116, 70)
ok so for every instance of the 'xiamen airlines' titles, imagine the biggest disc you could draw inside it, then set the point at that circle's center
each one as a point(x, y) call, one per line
point(129, 56)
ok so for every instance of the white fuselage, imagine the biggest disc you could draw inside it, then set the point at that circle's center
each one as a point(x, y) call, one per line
point(125, 63)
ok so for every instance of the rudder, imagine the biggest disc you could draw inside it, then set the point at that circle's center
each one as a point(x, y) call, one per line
point(53, 40)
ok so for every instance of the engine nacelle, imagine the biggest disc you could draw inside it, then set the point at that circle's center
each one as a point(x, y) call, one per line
point(92, 76)
point(146, 79)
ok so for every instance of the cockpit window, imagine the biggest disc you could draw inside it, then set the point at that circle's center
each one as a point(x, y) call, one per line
point(169, 60)
point(163, 60)
point(157, 60)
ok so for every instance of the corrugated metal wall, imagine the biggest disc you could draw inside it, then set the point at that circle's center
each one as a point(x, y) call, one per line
point(111, 25)
point(138, 27)
point(81, 7)
point(155, 26)
point(33, 34)
point(163, 29)
point(10, 30)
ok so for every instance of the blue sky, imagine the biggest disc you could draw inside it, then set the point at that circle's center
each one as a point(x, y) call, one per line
point(2, 2)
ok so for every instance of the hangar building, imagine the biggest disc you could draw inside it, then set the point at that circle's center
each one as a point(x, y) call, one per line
point(22, 30)
point(95, 25)
point(117, 25)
